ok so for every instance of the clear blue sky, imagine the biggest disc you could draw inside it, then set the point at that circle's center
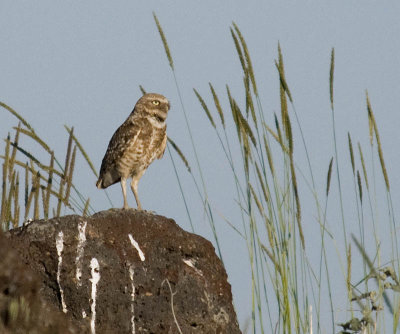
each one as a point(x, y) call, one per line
point(80, 64)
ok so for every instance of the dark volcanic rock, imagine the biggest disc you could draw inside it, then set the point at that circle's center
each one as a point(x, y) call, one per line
point(22, 310)
point(127, 271)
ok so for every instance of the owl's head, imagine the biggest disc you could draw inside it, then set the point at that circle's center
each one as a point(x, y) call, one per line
point(154, 104)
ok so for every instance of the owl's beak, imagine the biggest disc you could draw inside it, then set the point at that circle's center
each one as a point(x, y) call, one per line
point(169, 105)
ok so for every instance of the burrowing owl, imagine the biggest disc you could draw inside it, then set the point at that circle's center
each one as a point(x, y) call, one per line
point(135, 144)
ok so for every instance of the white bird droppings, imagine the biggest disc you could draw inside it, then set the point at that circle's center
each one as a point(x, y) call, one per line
point(80, 250)
point(136, 245)
point(60, 247)
point(131, 272)
point(191, 263)
point(95, 272)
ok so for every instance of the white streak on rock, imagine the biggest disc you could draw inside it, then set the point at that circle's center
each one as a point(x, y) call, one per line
point(131, 272)
point(60, 247)
point(80, 250)
point(95, 272)
point(191, 263)
point(136, 245)
point(84, 314)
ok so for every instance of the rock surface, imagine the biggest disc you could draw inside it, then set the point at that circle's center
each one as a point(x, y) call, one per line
point(21, 308)
point(127, 271)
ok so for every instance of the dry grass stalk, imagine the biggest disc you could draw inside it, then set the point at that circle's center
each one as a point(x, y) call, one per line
point(12, 111)
point(203, 104)
point(288, 131)
point(16, 202)
point(164, 41)
point(284, 108)
point(258, 203)
point(217, 105)
point(359, 186)
point(378, 141)
point(297, 200)
point(33, 188)
point(69, 176)
point(370, 122)
point(181, 155)
point(247, 154)
point(4, 182)
point(86, 208)
point(278, 128)
point(246, 84)
point(270, 230)
point(82, 150)
point(272, 258)
point(8, 215)
point(277, 137)
point(46, 205)
point(331, 76)
point(348, 276)
point(63, 181)
point(351, 153)
point(269, 156)
point(238, 50)
point(32, 158)
point(242, 127)
point(249, 66)
point(14, 150)
point(36, 192)
point(68, 155)
point(234, 108)
point(261, 182)
point(328, 180)
point(282, 74)
point(60, 197)
point(143, 91)
point(26, 192)
point(35, 137)
point(243, 124)
point(45, 168)
point(363, 166)
point(249, 101)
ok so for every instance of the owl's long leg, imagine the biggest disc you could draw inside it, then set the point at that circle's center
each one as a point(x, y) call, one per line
point(123, 185)
point(134, 186)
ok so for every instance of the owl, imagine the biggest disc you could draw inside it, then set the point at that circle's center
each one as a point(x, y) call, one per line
point(135, 145)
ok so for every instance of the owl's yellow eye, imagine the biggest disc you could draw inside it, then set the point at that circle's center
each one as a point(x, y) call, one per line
point(156, 103)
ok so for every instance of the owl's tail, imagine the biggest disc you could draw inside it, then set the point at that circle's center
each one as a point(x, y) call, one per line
point(99, 183)
point(108, 178)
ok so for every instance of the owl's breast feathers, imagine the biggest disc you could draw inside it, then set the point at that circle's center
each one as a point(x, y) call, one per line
point(132, 148)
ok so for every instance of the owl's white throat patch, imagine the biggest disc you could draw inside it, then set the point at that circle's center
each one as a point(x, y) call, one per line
point(157, 121)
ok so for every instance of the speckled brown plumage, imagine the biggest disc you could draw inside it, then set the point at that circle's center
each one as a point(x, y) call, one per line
point(136, 144)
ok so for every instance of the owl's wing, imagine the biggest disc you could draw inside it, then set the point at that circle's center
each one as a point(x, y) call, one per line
point(124, 138)
point(163, 146)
